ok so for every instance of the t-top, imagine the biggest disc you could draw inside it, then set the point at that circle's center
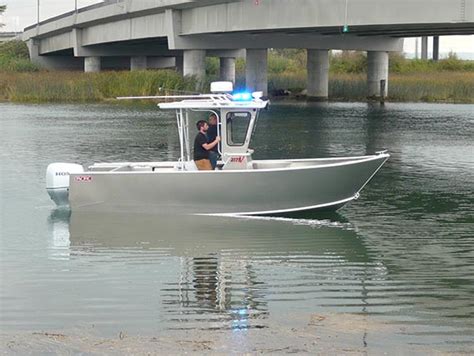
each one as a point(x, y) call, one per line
point(199, 151)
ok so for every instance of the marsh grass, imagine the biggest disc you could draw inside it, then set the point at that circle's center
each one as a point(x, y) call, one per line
point(448, 80)
point(89, 87)
point(454, 87)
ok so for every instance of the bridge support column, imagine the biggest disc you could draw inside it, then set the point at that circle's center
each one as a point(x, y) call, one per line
point(91, 64)
point(436, 48)
point(179, 62)
point(376, 72)
point(424, 48)
point(318, 74)
point(194, 63)
point(138, 63)
point(256, 76)
point(227, 69)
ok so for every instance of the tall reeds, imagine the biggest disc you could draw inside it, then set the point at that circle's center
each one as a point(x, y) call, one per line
point(448, 80)
point(452, 87)
point(455, 87)
point(89, 87)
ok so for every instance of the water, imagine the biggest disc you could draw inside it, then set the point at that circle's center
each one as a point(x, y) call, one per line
point(393, 269)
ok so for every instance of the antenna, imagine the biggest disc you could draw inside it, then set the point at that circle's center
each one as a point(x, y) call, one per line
point(345, 28)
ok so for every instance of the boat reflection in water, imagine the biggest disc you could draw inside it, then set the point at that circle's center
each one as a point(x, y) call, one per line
point(58, 223)
point(226, 272)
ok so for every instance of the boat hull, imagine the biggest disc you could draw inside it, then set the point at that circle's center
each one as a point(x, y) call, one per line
point(305, 187)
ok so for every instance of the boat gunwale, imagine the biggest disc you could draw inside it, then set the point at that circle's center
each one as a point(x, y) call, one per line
point(354, 160)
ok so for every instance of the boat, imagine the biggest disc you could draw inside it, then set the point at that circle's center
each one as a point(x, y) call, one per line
point(240, 185)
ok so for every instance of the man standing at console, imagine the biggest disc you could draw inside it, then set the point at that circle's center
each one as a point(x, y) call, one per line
point(202, 147)
point(211, 136)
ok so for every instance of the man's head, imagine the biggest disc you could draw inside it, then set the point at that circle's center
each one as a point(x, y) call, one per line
point(202, 126)
point(213, 120)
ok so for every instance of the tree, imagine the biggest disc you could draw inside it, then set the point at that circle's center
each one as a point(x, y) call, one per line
point(2, 10)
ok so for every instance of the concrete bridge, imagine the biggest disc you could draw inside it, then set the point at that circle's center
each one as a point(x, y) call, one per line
point(9, 36)
point(181, 33)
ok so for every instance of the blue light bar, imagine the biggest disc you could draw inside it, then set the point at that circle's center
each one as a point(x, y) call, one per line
point(242, 96)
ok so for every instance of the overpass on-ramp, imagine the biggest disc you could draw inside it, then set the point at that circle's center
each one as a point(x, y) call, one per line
point(145, 34)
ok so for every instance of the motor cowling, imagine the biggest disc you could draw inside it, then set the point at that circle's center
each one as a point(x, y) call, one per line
point(57, 181)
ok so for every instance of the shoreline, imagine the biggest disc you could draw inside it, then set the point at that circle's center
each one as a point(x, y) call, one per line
point(273, 99)
point(78, 87)
point(307, 333)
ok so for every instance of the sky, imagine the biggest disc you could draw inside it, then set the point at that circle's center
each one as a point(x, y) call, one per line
point(22, 13)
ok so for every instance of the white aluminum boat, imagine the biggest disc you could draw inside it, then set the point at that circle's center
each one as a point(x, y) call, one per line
point(239, 185)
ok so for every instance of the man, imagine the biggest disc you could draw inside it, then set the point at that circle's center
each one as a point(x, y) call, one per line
point(202, 147)
point(211, 136)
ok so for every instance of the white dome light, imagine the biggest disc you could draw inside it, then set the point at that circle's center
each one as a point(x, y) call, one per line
point(222, 87)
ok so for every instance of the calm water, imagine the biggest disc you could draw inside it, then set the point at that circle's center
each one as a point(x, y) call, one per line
point(402, 255)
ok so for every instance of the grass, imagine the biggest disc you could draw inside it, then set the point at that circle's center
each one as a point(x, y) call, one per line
point(23, 81)
point(452, 87)
point(88, 87)
point(448, 80)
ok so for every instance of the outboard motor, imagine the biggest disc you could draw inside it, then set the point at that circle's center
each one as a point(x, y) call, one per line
point(57, 181)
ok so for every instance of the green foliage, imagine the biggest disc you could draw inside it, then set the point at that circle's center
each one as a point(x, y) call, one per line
point(348, 87)
point(19, 65)
point(14, 50)
point(89, 87)
point(450, 80)
point(212, 66)
point(295, 82)
point(286, 69)
point(240, 66)
point(2, 10)
point(397, 62)
point(14, 57)
point(286, 60)
point(348, 62)
point(410, 80)
point(278, 65)
point(401, 65)
point(293, 62)
point(92, 87)
point(455, 87)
